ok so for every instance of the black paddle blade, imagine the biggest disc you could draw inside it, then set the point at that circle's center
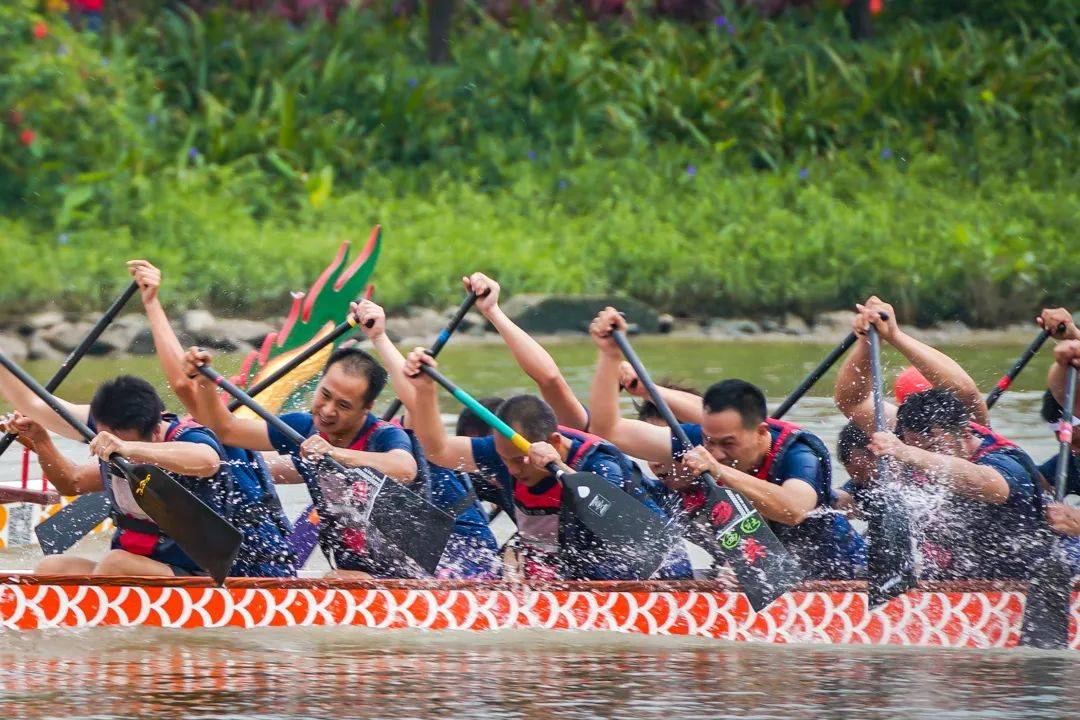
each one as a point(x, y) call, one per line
point(890, 561)
point(415, 527)
point(71, 524)
point(1047, 610)
point(208, 539)
point(620, 522)
point(763, 566)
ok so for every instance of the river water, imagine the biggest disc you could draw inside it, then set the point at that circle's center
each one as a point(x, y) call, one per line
point(349, 672)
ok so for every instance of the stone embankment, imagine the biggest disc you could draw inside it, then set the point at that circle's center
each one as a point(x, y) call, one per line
point(51, 335)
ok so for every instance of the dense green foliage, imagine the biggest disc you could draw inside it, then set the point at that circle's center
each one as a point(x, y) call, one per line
point(750, 166)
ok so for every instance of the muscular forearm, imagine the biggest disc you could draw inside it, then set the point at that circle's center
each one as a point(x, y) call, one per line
point(169, 352)
point(61, 472)
point(398, 465)
point(538, 364)
point(685, 406)
point(604, 396)
point(854, 385)
point(943, 372)
point(394, 362)
point(184, 458)
point(776, 503)
point(977, 482)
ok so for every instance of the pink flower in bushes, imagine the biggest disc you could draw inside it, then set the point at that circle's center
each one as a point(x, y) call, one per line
point(41, 30)
point(27, 137)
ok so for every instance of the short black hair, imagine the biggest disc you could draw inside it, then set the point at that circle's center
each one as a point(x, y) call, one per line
point(355, 361)
point(740, 396)
point(530, 416)
point(935, 409)
point(647, 410)
point(469, 423)
point(852, 438)
point(1051, 409)
point(127, 403)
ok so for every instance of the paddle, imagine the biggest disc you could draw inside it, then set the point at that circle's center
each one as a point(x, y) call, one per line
point(64, 526)
point(816, 374)
point(733, 528)
point(205, 536)
point(77, 354)
point(440, 342)
point(415, 526)
point(1046, 612)
point(890, 564)
point(609, 512)
point(1021, 362)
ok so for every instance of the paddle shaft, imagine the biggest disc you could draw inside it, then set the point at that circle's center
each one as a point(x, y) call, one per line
point(58, 407)
point(1065, 432)
point(816, 374)
point(519, 441)
point(77, 354)
point(1021, 362)
point(742, 507)
point(878, 391)
point(305, 355)
point(440, 342)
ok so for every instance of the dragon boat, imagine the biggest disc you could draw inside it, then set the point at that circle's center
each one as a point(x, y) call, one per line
point(969, 614)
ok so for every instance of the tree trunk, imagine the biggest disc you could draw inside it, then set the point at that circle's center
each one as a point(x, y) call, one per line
point(440, 18)
point(860, 19)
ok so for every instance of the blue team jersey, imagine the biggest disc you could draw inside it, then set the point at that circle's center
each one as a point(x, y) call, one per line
point(968, 538)
point(1072, 477)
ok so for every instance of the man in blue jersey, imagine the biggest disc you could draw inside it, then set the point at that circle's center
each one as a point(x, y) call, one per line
point(782, 469)
point(130, 420)
point(340, 426)
point(987, 517)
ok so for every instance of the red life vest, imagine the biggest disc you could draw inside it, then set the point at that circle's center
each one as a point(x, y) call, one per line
point(998, 442)
point(788, 432)
point(549, 501)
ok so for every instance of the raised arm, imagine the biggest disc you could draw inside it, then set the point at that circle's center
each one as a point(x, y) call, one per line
point(1066, 354)
point(854, 384)
point(1055, 318)
point(450, 451)
point(368, 312)
point(637, 438)
point(685, 405)
point(169, 351)
point(937, 367)
point(530, 355)
point(34, 408)
point(207, 408)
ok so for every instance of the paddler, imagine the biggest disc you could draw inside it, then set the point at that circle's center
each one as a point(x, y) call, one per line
point(530, 494)
point(1064, 518)
point(471, 552)
point(129, 418)
point(339, 425)
point(252, 504)
point(987, 520)
point(782, 469)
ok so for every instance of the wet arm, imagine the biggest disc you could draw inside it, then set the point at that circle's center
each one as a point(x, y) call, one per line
point(34, 408)
point(207, 408)
point(640, 439)
point(978, 482)
point(442, 449)
point(788, 503)
point(397, 464)
point(68, 477)
point(538, 364)
point(854, 389)
point(943, 372)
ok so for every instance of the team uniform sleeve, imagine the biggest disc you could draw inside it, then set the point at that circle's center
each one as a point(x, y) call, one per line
point(800, 463)
point(298, 421)
point(201, 436)
point(1021, 484)
point(485, 457)
point(1072, 478)
point(390, 438)
point(606, 468)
